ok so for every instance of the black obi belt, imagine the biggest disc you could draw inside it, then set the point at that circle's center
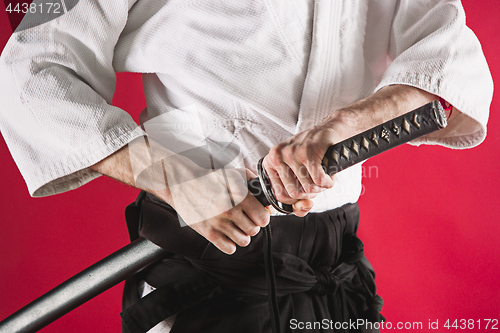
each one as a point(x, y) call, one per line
point(319, 280)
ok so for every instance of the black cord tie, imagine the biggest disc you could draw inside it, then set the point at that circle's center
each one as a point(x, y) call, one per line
point(374, 307)
point(353, 252)
point(272, 292)
point(327, 283)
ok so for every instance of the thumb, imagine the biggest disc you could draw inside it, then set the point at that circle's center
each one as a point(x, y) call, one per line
point(302, 207)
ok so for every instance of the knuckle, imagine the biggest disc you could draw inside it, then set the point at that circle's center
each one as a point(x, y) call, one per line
point(308, 188)
point(231, 214)
point(277, 189)
point(313, 188)
point(310, 196)
point(220, 225)
point(303, 172)
point(301, 156)
point(228, 214)
point(227, 225)
point(264, 220)
point(255, 231)
point(281, 196)
point(273, 152)
point(289, 154)
point(285, 151)
point(251, 231)
point(293, 192)
point(212, 235)
point(318, 180)
point(274, 157)
point(301, 196)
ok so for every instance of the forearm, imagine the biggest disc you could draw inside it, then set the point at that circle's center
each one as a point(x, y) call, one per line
point(119, 167)
point(387, 103)
point(287, 161)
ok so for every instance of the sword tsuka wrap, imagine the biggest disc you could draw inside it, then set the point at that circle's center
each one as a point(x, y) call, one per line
point(414, 124)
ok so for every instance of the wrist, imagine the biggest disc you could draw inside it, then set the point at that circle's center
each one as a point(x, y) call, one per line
point(387, 103)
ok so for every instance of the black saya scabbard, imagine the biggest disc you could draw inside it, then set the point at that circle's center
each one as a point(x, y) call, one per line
point(141, 253)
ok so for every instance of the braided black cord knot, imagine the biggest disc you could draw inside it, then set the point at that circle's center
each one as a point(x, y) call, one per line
point(327, 283)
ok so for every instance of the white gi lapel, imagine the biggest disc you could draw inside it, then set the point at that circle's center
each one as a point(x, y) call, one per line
point(325, 87)
point(321, 63)
point(337, 73)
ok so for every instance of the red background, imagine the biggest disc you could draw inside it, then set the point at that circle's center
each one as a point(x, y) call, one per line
point(429, 221)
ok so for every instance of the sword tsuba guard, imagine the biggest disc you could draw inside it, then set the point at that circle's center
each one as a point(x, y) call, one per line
point(268, 192)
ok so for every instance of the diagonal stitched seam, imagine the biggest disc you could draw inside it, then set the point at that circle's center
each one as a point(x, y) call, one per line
point(281, 33)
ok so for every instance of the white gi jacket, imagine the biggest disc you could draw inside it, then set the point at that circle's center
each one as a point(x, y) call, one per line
point(255, 71)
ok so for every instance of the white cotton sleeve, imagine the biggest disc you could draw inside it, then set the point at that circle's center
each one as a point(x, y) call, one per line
point(432, 48)
point(56, 85)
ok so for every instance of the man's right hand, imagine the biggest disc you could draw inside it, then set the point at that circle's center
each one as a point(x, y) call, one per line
point(216, 203)
point(235, 226)
point(219, 207)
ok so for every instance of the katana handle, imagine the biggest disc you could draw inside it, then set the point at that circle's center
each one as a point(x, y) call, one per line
point(412, 125)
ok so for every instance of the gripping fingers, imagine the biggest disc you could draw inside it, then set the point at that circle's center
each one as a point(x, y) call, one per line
point(306, 179)
point(225, 237)
point(214, 236)
point(235, 234)
point(255, 216)
point(287, 177)
point(290, 182)
point(318, 176)
point(287, 193)
point(233, 227)
point(244, 221)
